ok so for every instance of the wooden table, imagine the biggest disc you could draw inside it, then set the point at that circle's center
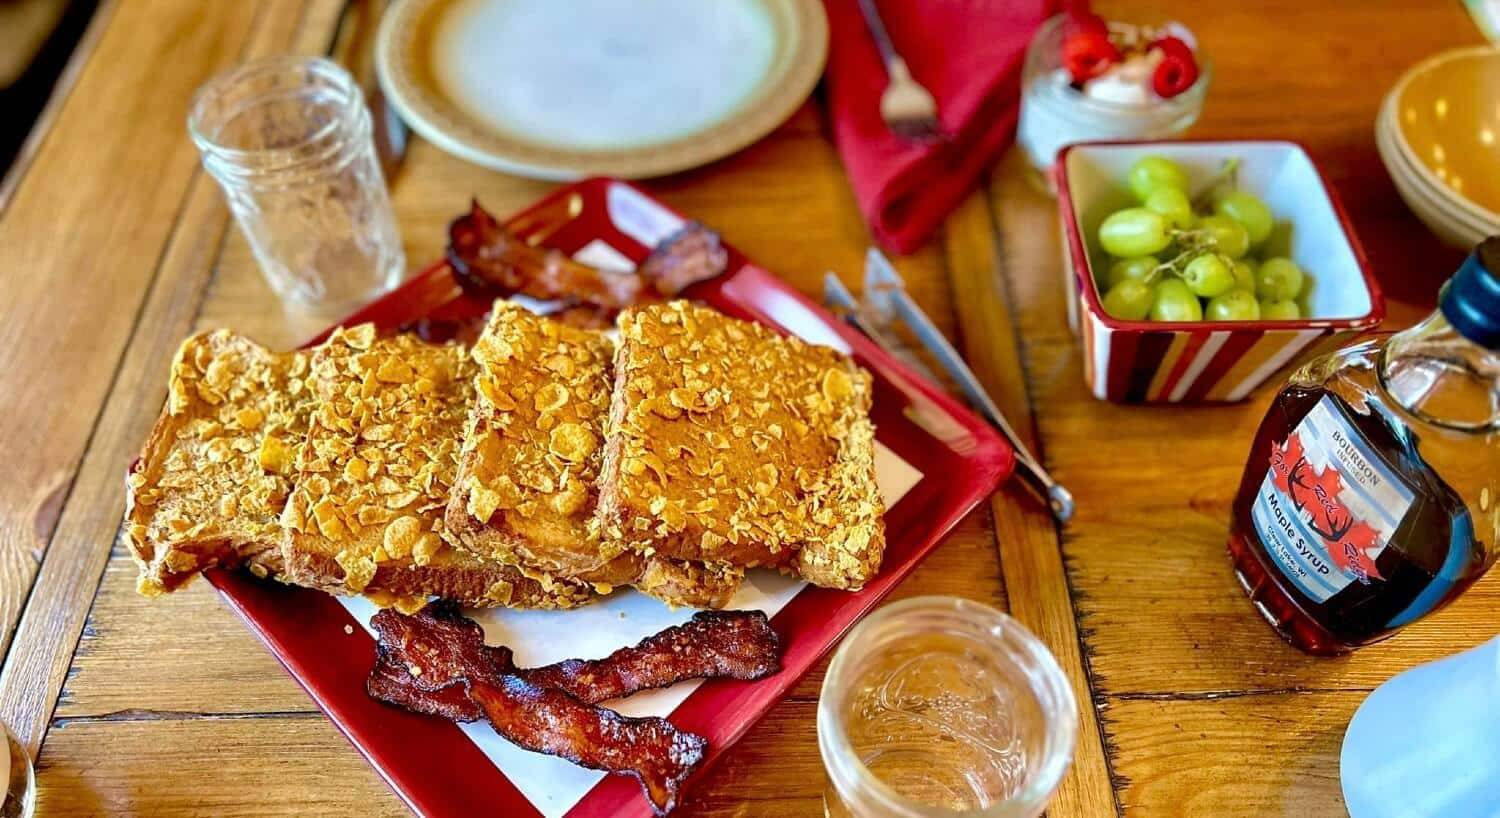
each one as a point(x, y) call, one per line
point(114, 245)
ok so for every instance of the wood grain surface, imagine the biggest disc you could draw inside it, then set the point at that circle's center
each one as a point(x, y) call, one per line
point(115, 246)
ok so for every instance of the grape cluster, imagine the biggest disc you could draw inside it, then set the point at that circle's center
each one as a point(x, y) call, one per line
point(1209, 271)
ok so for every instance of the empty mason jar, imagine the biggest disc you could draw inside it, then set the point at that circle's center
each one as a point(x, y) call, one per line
point(939, 706)
point(288, 139)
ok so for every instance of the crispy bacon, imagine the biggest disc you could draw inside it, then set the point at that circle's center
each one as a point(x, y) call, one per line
point(392, 683)
point(439, 646)
point(490, 261)
point(688, 256)
point(543, 720)
point(442, 651)
point(713, 644)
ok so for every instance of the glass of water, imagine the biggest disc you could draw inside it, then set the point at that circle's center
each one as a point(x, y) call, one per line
point(938, 706)
point(289, 140)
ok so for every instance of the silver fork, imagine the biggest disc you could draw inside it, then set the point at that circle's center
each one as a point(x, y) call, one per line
point(907, 107)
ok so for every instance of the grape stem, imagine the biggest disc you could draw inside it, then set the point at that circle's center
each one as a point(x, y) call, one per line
point(1228, 173)
point(1194, 243)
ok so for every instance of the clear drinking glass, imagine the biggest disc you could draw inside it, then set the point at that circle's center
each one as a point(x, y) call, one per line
point(938, 706)
point(288, 138)
point(17, 781)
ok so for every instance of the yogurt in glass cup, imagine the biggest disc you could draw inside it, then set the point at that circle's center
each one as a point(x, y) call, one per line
point(1054, 114)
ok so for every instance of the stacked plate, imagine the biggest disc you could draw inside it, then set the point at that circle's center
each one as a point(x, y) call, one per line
point(1439, 136)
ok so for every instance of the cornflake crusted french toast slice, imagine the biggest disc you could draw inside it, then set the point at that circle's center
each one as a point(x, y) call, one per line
point(365, 513)
point(211, 483)
point(525, 493)
point(731, 443)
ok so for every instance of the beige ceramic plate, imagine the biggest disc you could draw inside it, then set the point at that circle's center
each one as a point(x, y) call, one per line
point(563, 90)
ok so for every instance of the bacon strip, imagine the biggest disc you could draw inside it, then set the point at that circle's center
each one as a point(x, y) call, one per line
point(650, 750)
point(489, 260)
point(688, 256)
point(442, 651)
point(713, 644)
point(392, 683)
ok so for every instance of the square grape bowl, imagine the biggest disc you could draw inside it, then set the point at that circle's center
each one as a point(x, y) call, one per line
point(1210, 361)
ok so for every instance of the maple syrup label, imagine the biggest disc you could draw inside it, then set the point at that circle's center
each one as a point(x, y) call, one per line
point(1328, 505)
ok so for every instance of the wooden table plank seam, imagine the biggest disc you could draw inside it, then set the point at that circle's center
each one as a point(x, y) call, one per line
point(63, 497)
point(1002, 281)
point(1099, 699)
point(182, 715)
point(1221, 695)
point(118, 548)
point(41, 130)
point(140, 311)
point(24, 700)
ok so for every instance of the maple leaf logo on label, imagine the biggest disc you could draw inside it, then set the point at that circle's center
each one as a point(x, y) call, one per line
point(1348, 541)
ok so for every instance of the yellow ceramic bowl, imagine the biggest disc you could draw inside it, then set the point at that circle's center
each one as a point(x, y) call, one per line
point(1448, 120)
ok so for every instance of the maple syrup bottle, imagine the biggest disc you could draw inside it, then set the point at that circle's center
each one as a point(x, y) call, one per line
point(1372, 493)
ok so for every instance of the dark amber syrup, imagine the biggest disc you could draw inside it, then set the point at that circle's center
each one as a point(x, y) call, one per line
point(1433, 547)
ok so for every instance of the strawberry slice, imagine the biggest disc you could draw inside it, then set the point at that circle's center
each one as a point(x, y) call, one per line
point(1087, 53)
point(1178, 69)
point(1172, 46)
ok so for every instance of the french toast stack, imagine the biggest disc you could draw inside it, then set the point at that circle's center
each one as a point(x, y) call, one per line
point(542, 467)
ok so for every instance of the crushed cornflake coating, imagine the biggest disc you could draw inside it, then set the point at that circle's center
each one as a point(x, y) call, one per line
point(692, 584)
point(730, 443)
point(527, 486)
point(366, 511)
point(213, 479)
point(532, 450)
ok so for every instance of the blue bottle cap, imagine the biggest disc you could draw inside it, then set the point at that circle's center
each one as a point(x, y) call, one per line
point(1471, 299)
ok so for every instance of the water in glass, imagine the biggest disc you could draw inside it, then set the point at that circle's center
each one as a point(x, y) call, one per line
point(939, 705)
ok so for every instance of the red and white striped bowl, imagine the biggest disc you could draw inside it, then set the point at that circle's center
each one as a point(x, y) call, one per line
point(1207, 361)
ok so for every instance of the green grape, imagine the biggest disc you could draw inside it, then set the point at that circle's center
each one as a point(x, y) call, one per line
point(1244, 274)
point(1130, 299)
point(1138, 268)
point(1229, 236)
point(1278, 279)
point(1152, 172)
point(1134, 231)
point(1208, 276)
point(1175, 302)
point(1173, 205)
point(1249, 211)
point(1283, 310)
point(1235, 305)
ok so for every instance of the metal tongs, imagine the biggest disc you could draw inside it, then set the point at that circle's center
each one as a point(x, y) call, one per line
point(887, 303)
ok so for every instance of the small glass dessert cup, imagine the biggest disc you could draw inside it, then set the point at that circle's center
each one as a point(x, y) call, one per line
point(1055, 114)
point(938, 706)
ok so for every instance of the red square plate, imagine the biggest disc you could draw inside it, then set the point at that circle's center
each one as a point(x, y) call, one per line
point(430, 763)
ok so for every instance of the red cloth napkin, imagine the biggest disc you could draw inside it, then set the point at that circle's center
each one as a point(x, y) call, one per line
point(968, 53)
